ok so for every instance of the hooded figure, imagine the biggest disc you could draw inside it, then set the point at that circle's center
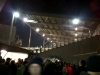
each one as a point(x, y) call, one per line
point(93, 66)
point(34, 66)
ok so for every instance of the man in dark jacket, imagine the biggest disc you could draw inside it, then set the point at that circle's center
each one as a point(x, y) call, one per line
point(7, 63)
point(82, 67)
point(93, 66)
point(49, 68)
point(13, 68)
point(34, 67)
point(4, 70)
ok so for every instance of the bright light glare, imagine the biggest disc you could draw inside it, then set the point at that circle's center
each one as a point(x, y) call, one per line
point(58, 60)
point(25, 19)
point(37, 30)
point(76, 35)
point(43, 35)
point(76, 29)
point(3, 51)
point(16, 14)
point(38, 51)
point(51, 41)
point(13, 55)
point(89, 31)
point(41, 46)
point(32, 21)
point(76, 21)
point(75, 39)
point(34, 51)
point(48, 38)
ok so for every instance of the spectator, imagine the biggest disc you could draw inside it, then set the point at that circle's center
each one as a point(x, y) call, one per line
point(59, 67)
point(82, 67)
point(49, 68)
point(19, 63)
point(34, 67)
point(64, 71)
point(26, 69)
point(47, 62)
point(93, 66)
point(4, 70)
point(69, 69)
point(7, 63)
point(74, 67)
point(27, 59)
point(21, 70)
point(3, 61)
point(13, 68)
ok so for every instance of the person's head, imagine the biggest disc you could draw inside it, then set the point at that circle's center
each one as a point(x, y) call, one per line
point(35, 66)
point(8, 60)
point(19, 60)
point(60, 64)
point(47, 62)
point(25, 63)
point(64, 70)
point(70, 64)
point(3, 61)
point(93, 65)
point(27, 59)
point(64, 63)
point(82, 63)
point(12, 62)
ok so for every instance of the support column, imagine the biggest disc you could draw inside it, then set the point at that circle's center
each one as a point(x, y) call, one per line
point(30, 38)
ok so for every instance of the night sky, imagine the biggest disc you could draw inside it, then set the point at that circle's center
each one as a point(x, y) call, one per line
point(83, 8)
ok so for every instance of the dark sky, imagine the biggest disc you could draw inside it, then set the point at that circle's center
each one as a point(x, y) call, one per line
point(83, 8)
point(68, 7)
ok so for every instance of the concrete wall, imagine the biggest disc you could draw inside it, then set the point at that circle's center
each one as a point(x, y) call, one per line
point(76, 51)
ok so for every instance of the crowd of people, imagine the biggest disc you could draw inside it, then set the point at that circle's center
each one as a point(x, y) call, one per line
point(36, 66)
